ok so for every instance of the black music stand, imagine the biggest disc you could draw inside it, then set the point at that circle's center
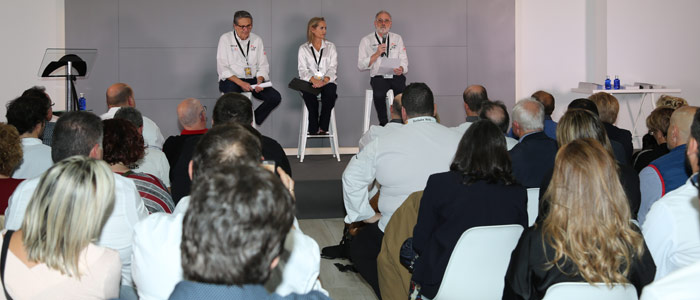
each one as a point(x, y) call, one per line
point(68, 63)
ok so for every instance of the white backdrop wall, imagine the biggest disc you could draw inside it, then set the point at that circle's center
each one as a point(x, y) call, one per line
point(559, 43)
point(28, 28)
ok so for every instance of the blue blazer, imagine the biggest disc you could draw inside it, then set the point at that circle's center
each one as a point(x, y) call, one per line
point(447, 209)
point(533, 158)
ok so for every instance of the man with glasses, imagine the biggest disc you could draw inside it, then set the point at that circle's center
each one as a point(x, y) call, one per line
point(374, 48)
point(242, 65)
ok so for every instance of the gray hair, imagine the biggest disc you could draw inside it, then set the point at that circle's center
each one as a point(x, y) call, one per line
point(130, 114)
point(241, 14)
point(382, 12)
point(526, 117)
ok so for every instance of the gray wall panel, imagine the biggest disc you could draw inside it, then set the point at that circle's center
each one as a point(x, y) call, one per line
point(166, 73)
point(491, 51)
point(166, 51)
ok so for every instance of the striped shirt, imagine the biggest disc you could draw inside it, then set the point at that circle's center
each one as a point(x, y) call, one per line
point(153, 192)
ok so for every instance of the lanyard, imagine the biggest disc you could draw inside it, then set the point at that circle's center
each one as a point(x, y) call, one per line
point(245, 55)
point(387, 43)
point(320, 55)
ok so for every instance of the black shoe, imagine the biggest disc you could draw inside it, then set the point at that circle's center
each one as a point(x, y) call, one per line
point(338, 251)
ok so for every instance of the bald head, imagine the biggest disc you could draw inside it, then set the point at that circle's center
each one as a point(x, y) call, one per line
point(679, 128)
point(473, 97)
point(120, 94)
point(191, 114)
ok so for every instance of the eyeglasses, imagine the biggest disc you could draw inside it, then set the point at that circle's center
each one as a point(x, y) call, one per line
point(249, 26)
point(53, 103)
point(204, 108)
point(383, 21)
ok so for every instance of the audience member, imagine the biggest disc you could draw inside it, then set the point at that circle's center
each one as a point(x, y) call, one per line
point(123, 147)
point(608, 107)
point(154, 160)
point(156, 265)
point(480, 187)
point(230, 107)
point(10, 158)
point(550, 127)
point(682, 283)
point(40, 92)
point(192, 116)
point(577, 124)
point(54, 246)
point(618, 149)
point(671, 101)
point(400, 163)
point(667, 172)
point(377, 130)
point(28, 115)
point(657, 123)
point(80, 133)
point(496, 112)
point(587, 235)
point(233, 234)
point(474, 96)
point(672, 226)
point(534, 155)
point(121, 95)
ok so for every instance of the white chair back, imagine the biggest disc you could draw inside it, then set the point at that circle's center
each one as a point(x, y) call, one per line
point(533, 205)
point(478, 264)
point(596, 291)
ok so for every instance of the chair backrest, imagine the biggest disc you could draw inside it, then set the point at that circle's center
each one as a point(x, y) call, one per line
point(533, 205)
point(584, 290)
point(478, 264)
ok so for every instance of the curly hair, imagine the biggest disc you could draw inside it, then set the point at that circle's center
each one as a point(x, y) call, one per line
point(10, 149)
point(25, 113)
point(122, 143)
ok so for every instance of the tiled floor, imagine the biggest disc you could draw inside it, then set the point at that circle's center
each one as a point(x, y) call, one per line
point(327, 232)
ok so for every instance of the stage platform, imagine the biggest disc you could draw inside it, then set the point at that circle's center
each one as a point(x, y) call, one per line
point(318, 186)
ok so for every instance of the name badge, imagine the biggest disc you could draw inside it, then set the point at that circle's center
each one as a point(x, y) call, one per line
point(388, 76)
point(318, 75)
point(248, 72)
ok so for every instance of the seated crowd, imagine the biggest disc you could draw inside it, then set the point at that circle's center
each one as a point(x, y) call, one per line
point(106, 207)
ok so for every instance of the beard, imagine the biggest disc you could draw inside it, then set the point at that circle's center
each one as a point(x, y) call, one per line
point(383, 30)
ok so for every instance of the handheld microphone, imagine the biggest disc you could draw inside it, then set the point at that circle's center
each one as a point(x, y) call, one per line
point(384, 42)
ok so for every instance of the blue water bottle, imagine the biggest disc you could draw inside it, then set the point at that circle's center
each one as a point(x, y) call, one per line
point(616, 83)
point(82, 102)
point(608, 86)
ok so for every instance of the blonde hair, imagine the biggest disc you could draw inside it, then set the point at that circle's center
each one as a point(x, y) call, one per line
point(607, 105)
point(313, 23)
point(579, 123)
point(671, 101)
point(589, 219)
point(67, 212)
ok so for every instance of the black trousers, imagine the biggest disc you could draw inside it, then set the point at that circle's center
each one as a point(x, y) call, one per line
point(364, 249)
point(328, 97)
point(380, 86)
point(270, 97)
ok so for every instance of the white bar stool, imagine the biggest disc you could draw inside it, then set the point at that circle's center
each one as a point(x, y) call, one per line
point(250, 96)
point(304, 135)
point(369, 103)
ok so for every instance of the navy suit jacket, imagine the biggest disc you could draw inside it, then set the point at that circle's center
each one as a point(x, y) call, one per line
point(622, 136)
point(533, 158)
point(448, 208)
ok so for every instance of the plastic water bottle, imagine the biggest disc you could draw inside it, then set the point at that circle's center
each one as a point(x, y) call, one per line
point(608, 86)
point(616, 83)
point(82, 102)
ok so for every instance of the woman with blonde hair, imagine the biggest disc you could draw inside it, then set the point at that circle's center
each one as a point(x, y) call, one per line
point(580, 123)
point(53, 255)
point(317, 64)
point(587, 235)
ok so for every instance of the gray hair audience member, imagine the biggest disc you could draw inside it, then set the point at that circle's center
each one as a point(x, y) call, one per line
point(496, 112)
point(534, 155)
point(241, 214)
point(154, 161)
